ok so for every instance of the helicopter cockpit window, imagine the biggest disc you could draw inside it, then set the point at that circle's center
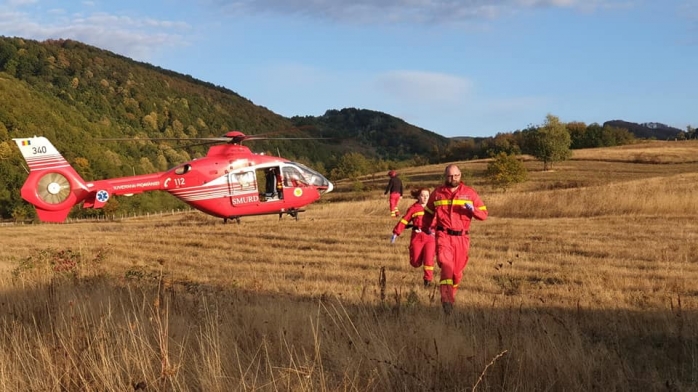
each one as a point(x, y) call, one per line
point(309, 176)
point(293, 177)
point(183, 169)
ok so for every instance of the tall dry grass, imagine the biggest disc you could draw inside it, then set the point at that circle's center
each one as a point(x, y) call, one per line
point(580, 279)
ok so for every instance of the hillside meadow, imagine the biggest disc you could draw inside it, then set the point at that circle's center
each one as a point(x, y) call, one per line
point(583, 278)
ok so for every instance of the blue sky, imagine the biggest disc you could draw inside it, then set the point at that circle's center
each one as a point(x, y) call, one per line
point(454, 67)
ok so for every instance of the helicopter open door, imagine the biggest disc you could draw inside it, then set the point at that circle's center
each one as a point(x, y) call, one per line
point(273, 185)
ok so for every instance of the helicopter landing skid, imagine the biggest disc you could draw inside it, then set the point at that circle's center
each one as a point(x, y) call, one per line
point(293, 212)
point(237, 219)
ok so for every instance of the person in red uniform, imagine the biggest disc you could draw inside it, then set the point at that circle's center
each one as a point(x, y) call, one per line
point(449, 212)
point(422, 245)
point(279, 183)
point(394, 188)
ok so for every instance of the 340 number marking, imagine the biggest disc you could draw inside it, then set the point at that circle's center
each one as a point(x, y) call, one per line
point(39, 150)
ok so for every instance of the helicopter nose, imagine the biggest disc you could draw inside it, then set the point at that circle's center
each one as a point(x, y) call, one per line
point(325, 187)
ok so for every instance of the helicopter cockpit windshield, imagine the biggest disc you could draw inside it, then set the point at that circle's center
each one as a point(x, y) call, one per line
point(298, 175)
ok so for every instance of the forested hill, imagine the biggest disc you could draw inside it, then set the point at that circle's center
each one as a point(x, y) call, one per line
point(651, 130)
point(98, 94)
point(372, 133)
point(74, 93)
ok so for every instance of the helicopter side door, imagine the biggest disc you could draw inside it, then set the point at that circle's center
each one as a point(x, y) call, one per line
point(243, 188)
point(273, 184)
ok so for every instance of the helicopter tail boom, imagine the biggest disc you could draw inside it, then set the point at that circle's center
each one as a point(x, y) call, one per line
point(53, 186)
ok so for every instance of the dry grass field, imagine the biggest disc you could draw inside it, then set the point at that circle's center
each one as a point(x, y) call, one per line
point(583, 278)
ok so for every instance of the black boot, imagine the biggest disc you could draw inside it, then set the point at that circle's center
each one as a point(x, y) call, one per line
point(448, 308)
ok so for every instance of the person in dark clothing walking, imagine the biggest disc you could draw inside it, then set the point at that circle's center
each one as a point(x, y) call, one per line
point(270, 178)
point(394, 188)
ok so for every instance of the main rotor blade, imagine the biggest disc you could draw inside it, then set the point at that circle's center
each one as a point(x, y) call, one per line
point(210, 139)
point(200, 144)
point(282, 138)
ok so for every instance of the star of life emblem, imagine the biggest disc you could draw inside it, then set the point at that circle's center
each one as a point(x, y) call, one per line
point(102, 196)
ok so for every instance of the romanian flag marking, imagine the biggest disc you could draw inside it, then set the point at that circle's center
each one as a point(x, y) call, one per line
point(26, 142)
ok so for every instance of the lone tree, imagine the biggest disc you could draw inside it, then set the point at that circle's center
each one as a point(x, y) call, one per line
point(351, 165)
point(550, 142)
point(505, 170)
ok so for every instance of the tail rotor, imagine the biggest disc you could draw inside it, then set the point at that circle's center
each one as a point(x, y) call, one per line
point(53, 186)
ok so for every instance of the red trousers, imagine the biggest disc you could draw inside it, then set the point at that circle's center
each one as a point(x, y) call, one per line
point(394, 199)
point(452, 257)
point(422, 250)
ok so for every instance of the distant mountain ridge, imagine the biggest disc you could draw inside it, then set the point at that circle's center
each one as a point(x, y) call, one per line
point(649, 130)
point(373, 133)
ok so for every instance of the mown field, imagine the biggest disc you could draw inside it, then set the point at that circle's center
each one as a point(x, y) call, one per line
point(583, 278)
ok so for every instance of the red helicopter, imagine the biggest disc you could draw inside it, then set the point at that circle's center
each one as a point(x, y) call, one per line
point(226, 183)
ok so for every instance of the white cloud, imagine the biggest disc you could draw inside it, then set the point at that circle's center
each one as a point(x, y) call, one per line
point(425, 88)
point(135, 37)
point(14, 3)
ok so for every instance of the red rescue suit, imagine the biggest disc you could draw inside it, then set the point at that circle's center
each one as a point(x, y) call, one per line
point(422, 245)
point(279, 185)
point(448, 216)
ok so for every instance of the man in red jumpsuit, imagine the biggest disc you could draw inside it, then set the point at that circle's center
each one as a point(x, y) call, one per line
point(449, 211)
